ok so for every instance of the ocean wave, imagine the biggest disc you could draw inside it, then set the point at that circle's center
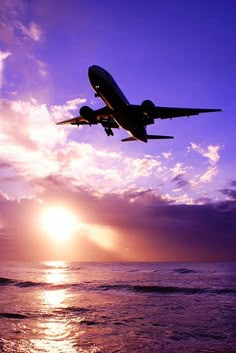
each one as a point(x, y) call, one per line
point(74, 309)
point(90, 286)
point(182, 290)
point(105, 287)
point(29, 284)
point(155, 289)
point(76, 268)
point(89, 322)
point(184, 270)
point(168, 289)
point(5, 281)
point(13, 316)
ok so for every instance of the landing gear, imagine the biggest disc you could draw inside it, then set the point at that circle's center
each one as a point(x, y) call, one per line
point(109, 131)
point(97, 88)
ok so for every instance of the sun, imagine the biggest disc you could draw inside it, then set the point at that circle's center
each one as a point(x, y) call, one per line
point(59, 222)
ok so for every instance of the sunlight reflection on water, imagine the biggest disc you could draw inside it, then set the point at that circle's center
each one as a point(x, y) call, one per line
point(55, 276)
point(61, 264)
point(56, 335)
point(55, 273)
point(54, 298)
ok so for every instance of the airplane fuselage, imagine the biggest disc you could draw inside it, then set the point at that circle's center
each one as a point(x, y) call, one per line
point(108, 90)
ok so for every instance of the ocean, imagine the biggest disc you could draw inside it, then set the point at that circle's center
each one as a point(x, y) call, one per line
point(84, 307)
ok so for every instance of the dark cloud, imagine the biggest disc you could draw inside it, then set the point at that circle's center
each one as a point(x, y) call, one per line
point(233, 183)
point(4, 164)
point(147, 228)
point(180, 181)
point(231, 193)
point(203, 200)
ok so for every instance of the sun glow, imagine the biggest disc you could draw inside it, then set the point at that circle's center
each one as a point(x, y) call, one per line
point(59, 222)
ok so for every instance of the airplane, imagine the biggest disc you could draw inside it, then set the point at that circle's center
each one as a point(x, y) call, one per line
point(118, 112)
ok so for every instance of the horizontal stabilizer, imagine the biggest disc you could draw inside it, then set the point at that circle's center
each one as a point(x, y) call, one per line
point(131, 138)
point(158, 137)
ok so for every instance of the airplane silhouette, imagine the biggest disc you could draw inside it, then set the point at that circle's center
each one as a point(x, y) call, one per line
point(118, 112)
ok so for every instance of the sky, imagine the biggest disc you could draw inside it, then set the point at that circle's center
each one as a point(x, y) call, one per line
point(69, 193)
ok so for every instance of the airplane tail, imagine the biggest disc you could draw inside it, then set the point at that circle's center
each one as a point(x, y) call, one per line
point(158, 137)
point(149, 137)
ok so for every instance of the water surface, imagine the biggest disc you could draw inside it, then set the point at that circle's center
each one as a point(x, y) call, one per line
point(117, 307)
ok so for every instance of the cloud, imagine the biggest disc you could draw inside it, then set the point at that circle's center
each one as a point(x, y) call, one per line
point(180, 181)
point(33, 31)
point(12, 17)
point(211, 153)
point(42, 67)
point(27, 125)
point(178, 199)
point(178, 169)
point(179, 172)
point(10, 12)
point(231, 193)
point(167, 155)
point(19, 37)
point(33, 147)
point(62, 112)
point(74, 103)
point(208, 175)
point(233, 183)
point(113, 193)
point(143, 167)
point(138, 225)
point(28, 138)
point(3, 56)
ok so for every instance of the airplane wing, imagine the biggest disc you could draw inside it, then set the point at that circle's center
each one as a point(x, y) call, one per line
point(102, 116)
point(77, 120)
point(169, 113)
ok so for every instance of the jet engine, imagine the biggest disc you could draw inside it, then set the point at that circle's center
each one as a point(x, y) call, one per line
point(88, 114)
point(148, 108)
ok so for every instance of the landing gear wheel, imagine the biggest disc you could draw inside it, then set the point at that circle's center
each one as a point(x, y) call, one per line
point(109, 131)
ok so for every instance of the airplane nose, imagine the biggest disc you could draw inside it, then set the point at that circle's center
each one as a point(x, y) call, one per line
point(92, 72)
point(93, 69)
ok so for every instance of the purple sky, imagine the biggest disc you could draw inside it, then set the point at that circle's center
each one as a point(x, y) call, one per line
point(165, 200)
